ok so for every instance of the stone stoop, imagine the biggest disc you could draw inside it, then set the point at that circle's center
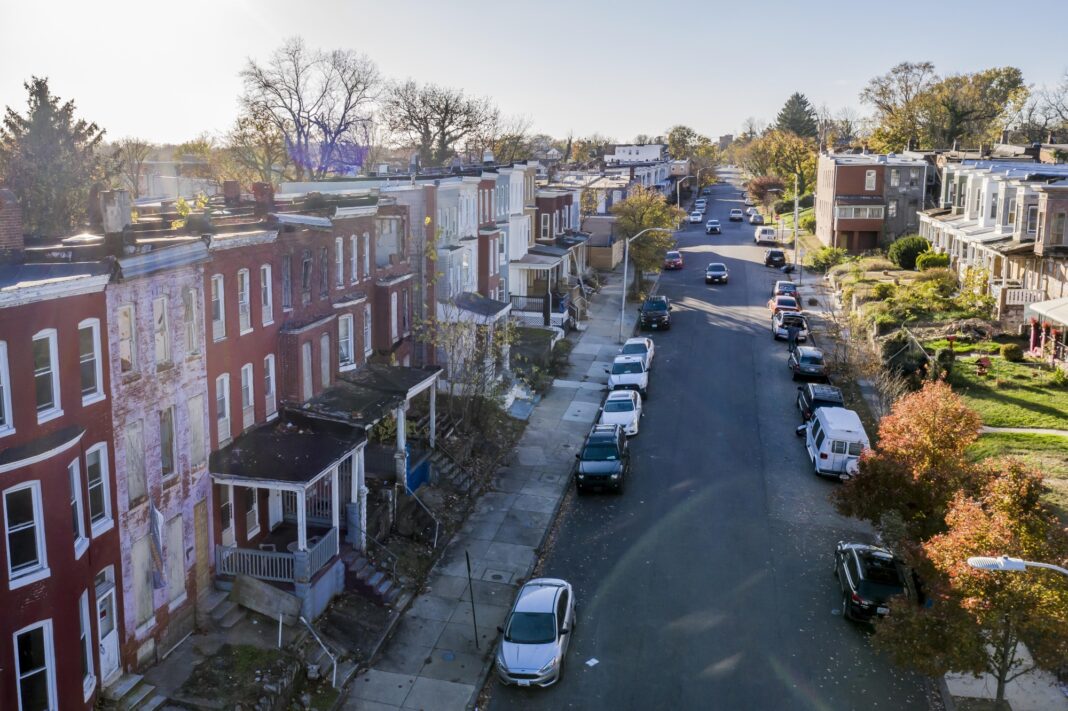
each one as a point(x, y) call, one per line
point(131, 693)
point(363, 577)
point(223, 612)
point(314, 655)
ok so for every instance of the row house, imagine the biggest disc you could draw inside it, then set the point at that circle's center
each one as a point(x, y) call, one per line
point(61, 561)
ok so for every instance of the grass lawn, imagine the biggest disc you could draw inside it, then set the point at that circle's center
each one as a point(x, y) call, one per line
point(963, 349)
point(1012, 394)
point(1046, 453)
point(788, 217)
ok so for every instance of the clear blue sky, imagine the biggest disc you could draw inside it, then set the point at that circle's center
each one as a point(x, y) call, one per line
point(167, 71)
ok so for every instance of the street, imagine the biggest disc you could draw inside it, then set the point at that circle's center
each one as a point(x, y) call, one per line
point(709, 583)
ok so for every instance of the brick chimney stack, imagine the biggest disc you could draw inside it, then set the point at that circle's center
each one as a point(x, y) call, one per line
point(264, 196)
point(231, 192)
point(12, 242)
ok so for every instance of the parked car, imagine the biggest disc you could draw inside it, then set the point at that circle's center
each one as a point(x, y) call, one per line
point(706, 191)
point(716, 273)
point(764, 234)
point(774, 258)
point(749, 201)
point(623, 408)
point(784, 320)
point(712, 227)
point(642, 347)
point(736, 215)
point(750, 210)
point(785, 288)
point(655, 312)
point(629, 373)
point(673, 260)
point(783, 303)
point(807, 362)
point(870, 578)
point(696, 216)
point(700, 204)
point(536, 633)
point(604, 460)
point(834, 439)
point(756, 219)
point(812, 396)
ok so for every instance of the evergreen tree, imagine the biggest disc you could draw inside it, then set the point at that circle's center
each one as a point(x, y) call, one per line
point(798, 117)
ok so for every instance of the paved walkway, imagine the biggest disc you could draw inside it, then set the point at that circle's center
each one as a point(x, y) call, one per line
point(434, 659)
point(1026, 430)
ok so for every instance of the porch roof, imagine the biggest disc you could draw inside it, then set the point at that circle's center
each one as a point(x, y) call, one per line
point(1054, 310)
point(548, 250)
point(290, 453)
point(536, 262)
point(1012, 247)
point(482, 306)
point(363, 397)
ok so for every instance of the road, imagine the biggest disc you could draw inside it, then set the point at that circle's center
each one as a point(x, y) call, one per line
point(708, 584)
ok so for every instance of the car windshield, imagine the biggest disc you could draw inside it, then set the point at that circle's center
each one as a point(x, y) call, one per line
point(600, 452)
point(627, 368)
point(656, 305)
point(775, 254)
point(786, 301)
point(619, 405)
point(855, 448)
point(635, 349)
point(882, 579)
point(673, 255)
point(531, 628)
point(716, 268)
point(812, 359)
point(787, 287)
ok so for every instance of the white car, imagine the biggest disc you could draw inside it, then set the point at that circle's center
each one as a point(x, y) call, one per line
point(629, 373)
point(736, 215)
point(640, 346)
point(781, 322)
point(536, 633)
point(623, 408)
point(750, 211)
point(700, 205)
point(696, 217)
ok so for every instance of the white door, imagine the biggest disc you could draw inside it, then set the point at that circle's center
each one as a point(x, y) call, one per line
point(107, 632)
point(274, 508)
point(226, 509)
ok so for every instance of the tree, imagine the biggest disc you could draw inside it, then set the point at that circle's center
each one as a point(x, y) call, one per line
point(200, 158)
point(685, 143)
point(904, 251)
point(894, 96)
point(256, 150)
point(130, 156)
point(761, 186)
point(681, 141)
point(798, 117)
point(435, 118)
point(589, 201)
point(971, 108)
point(320, 102)
point(919, 463)
point(792, 155)
point(507, 137)
point(641, 210)
point(50, 160)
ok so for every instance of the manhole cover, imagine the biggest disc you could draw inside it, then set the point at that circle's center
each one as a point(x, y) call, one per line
point(497, 576)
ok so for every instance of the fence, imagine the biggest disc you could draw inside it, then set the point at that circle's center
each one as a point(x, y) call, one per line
point(321, 553)
point(262, 565)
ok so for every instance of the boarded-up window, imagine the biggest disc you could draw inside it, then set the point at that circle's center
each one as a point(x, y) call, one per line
point(135, 463)
point(167, 456)
point(141, 567)
point(175, 559)
point(197, 441)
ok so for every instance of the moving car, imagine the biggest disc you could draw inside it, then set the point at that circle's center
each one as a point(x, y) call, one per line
point(673, 260)
point(764, 234)
point(785, 288)
point(716, 272)
point(700, 204)
point(750, 211)
point(712, 227)
point(696, 216)
point(629, 372)
point(812, 396)
point(536, 633)
point(782, 321)
point(736, 215)
point(807, 362)
point(756, 219)
point(706, 191)
point(783, 303)
point(774, 258)
point(749, 201)
point(623, 408)
point(604, 460)
point(870, 577)
point(834, 439)
point(642, 347)
point(655, 312)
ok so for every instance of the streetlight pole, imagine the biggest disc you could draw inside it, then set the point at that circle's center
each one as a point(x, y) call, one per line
point(1005, 563)
point(678, 190)
point(626, 260)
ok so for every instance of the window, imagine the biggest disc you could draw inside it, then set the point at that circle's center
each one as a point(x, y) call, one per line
point(287, 282)
point(252, 513)
point(339, 262)
point(405, 312)
point(134, 442)
point(175, 552)
point(218, 308)
point(993, 206)
point(838, 447)
point(365, 254)
point(222, 408)
point(266, 296)
point(191, 307)
point(891, 208)
point(305, 276)
point(895, 178)
point(324, 359)
point(269, 399)
point(167, 457)
point(1032, 219)
point(1057, 235)
point(89, 362)
point(352, 258)
point(127, 346)
point(345, 351)
point(324, 273)
point(35, 661)
point(393, 320)
point(545, 226)
point(85, 646)
point(46, 375)
point(869, 180)
point(96, 476)
point(226, 509)
point(27, 560)
point(244, 307)
point(1010, 213)
point(367, 329)
point(198, 446)
point(914, 177)
point(248, 403)
point(77, 510)
point(160, 332)
point(7, 417)
point(307, 389)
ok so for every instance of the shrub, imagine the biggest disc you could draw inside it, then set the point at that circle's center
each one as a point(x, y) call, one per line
point(904, 251)
point(807, 223)
point(826, 257)
point(946, 356)
point(1012, 352)
point(945, 280)
point(807, 200)
point(882, 291)
point(932, 260)
point(1059, 379)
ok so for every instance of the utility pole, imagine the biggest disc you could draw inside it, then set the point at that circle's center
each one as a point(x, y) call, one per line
point(797, 249)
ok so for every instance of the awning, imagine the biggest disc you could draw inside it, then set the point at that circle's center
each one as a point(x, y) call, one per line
point(536, 262)
point(1053, 310)
point(1013, 248)
point(474, 308)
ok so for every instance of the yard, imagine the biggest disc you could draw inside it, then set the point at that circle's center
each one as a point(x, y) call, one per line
point(1045, 453)
point(1012, 394)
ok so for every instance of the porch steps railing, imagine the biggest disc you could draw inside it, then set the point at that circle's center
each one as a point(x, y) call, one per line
point(363, 576)
point(450, 470)
point(262, 565)
point(321, 553)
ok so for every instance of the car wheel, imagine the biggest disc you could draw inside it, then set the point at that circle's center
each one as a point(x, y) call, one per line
point(644, 394)
point(622, 484)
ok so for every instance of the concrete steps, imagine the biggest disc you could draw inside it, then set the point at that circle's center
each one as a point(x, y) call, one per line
point(449, 473)
point(224, 612)
point(131, 692)
point(363, 577)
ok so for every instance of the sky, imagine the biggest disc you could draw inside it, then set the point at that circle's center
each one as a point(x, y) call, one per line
point(168, 71)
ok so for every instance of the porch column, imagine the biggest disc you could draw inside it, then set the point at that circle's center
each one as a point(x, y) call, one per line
point(433, 413)
point(335, 506)
point(302, 520)
point(400, 457)
point(356, 507)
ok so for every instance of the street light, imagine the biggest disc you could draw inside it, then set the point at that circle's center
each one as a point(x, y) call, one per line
point(1005, 563)
point(626, 259)
point(678, 190)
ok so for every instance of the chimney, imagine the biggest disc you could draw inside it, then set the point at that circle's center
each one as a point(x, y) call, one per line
point(487, 157)
point(11, 240)
point(264, 196)
point(231, 192)
point(1005, 137)
point(115, 210)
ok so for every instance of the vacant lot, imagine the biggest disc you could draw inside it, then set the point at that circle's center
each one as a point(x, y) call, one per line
point(1046, 453)
point(1012, 394)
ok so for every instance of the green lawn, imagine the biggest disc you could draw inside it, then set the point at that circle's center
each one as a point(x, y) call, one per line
point(1046, 453)
point(963, 349)
point(1012, 394)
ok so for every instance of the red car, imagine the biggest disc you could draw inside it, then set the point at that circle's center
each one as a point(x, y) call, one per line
point(673, 260)
point(783, 303)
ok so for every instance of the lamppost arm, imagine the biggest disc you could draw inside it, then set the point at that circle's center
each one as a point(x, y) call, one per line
point(626, 260)
point(1007, 563)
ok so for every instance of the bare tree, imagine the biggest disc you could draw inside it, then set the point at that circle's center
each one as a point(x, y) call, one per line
point(130, 156)
point(508, 137)
point(318, 101)
point(257, 149)
point(435, 118)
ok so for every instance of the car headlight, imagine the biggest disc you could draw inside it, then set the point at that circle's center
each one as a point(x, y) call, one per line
point(614, 476)
point(581, 475)
point(548, 667)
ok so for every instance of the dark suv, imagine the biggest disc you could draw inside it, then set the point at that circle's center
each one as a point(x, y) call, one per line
point(604, 460)
point(774, 258)
point(655, 312)
point(869, 577)
point(811, 396)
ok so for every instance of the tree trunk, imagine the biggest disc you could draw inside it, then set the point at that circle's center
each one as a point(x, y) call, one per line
point(636, 289)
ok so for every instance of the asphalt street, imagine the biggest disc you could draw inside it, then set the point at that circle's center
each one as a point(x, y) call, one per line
point(708, 584)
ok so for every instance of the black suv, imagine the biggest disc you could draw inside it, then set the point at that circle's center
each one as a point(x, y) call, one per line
point(655, 312)
point(774, 258)
point(811, 396)
point(604, 460)
point(869, 577)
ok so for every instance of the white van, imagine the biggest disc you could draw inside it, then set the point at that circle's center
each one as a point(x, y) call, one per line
point(765, 234)
point(834, 438)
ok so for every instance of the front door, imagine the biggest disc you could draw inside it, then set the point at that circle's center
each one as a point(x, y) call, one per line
point(107, 632)
point(274, 508)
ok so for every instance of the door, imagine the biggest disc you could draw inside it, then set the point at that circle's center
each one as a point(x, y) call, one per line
point(274, 508)
point(838, 456)
point(226, 511)
point(107, 632)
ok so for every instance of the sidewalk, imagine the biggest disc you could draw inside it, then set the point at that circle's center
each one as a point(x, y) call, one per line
point(432, 662)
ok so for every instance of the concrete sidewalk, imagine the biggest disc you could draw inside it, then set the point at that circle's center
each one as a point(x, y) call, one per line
point(432, 661)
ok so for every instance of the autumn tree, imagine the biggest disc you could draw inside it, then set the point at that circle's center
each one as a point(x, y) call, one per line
point(797, 117)
point(761, 186)
point(643, 209)
point(507, 137)
point(256, 150)
point(50, 160)
point(435, 118)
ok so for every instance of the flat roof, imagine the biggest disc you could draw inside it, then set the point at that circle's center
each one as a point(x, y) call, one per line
point(840, 419)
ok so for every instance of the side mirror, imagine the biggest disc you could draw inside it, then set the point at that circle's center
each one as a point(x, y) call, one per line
point(608, 371)
point(578, 456)
point(800, 388)
point(500, 629)
point(800, 431)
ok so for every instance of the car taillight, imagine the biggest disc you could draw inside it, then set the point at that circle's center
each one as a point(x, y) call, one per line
point(859, 600)
point(823, 455)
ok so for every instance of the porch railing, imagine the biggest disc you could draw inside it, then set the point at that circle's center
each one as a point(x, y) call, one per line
point(1019, 297)
point(321, 553)
point(262, 565)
